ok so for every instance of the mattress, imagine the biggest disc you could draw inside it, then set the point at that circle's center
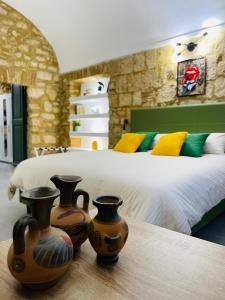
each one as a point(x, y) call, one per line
point(172, 192)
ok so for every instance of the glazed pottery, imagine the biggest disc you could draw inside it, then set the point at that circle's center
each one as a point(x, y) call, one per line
point(40, 256)
point(107, 232)
point(68, 216)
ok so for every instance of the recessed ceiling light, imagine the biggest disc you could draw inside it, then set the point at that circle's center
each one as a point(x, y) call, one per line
point(211, 22)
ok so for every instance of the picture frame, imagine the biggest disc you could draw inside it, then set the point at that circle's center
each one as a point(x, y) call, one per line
point(191, 77)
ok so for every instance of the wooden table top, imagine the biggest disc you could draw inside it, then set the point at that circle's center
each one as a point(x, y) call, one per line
point(155, 264)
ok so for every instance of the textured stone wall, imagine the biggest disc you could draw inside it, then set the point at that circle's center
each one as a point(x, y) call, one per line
point(26, 58)
point(5, 88)
point(148, 79)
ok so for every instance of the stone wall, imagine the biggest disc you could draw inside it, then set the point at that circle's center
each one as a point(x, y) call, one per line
point(148, 79)
point(26, 58)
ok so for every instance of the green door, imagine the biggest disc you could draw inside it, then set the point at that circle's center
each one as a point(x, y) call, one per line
point(19, 123)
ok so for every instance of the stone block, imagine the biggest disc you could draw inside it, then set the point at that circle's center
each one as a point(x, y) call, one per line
point(125, 99)
point(52, 94)
point(113, 100)
point(49, 139)
point(211, 66)
point(121, 84)
point(221, 68)
point(4, 62)
point(151, 58)
point(47, 106)
point(139, 62)
point(35, 139)
point(34, 92)
point(219, 87)
point(22, 25)
point(126, 65)
point(166, 93)
point(44, 75)
point(3, 11)
point(34, 106)
point(137, 98)
point(48, 116)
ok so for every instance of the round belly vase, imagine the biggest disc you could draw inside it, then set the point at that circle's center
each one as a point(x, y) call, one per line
point(39, 256)
point(107, 231)
point(68, 216)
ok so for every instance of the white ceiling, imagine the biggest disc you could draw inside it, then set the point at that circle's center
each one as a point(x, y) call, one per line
point(85, 32)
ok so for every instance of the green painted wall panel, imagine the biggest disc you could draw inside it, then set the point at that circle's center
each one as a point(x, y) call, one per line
point(195, 118)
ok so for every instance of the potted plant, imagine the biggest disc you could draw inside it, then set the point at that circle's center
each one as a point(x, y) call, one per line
point(76, 125)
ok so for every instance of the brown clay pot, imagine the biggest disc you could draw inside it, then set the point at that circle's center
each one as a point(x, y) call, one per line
point(107, 232)
point(68, 216)
point(40, 256)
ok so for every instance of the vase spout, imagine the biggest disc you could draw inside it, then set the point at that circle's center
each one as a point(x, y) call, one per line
point(66, 184)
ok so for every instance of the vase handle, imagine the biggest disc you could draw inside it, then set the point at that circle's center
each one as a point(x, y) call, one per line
point(85, 195)
point(19, 230)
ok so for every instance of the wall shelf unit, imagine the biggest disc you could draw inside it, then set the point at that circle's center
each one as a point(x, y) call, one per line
point(97, 134)
point(89, 115)
point(89, 98)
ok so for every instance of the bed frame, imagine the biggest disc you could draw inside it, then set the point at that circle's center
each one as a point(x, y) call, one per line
point(192, 118)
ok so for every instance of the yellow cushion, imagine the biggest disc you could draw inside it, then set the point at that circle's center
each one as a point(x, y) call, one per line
point(170, 144)
point(129, 142)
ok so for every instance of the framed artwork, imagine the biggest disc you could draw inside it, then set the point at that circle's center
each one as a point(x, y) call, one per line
point(191, 77)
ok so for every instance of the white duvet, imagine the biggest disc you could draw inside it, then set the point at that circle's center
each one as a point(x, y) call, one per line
point(172, 192)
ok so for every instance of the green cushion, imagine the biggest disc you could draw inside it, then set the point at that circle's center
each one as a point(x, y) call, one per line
point(147, 142)
point(193, 144)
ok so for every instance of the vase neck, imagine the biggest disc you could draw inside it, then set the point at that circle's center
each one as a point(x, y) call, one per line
point(108, 214)
point(40, 201)
point(66, 185)
point(108, 208)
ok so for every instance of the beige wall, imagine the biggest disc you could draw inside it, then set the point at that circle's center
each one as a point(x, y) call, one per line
point(26, 58)
point(148, 79)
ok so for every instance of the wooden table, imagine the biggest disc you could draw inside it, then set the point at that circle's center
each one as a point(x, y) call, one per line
point(155, 264)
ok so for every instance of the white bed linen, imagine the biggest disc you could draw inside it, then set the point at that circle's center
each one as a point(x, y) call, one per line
point(172, 192)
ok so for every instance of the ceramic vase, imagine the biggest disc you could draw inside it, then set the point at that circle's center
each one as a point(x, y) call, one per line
point(41, 255)
point(107, 231)
point(68, 216)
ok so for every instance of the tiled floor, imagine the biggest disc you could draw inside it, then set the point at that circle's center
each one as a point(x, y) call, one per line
point(10, 211)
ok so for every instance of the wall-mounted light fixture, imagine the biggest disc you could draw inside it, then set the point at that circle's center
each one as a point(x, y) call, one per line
point(191, 46)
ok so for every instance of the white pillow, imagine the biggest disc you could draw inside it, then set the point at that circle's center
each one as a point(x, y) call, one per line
point(156, 138)
point(215, 144)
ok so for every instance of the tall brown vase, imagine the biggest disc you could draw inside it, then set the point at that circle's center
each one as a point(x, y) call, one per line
point(108, 232)
point(68, 216)
point(39, 257)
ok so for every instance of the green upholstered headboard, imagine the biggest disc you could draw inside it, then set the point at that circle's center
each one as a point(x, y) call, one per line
point(192, 118)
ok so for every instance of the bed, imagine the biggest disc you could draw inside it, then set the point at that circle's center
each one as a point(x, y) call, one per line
point(178, 193)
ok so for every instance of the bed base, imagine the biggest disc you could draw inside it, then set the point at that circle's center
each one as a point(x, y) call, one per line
point(209, 216)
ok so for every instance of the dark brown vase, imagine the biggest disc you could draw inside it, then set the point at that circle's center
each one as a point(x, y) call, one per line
point(107, 232)
point(40, 256)
point(68, 216)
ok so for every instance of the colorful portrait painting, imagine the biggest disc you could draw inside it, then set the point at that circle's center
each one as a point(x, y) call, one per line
point(191, 77)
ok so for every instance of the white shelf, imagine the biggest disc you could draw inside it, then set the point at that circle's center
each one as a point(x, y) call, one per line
point(80, 133)
point(89, 98)
point(88, 116)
